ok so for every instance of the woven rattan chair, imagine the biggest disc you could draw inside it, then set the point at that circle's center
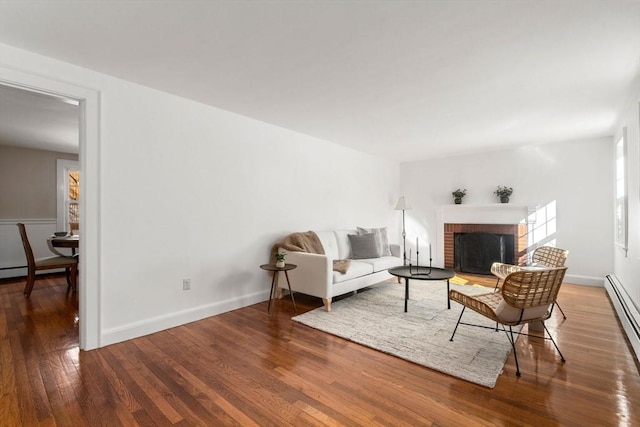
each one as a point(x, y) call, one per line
point(70, 264)
point(543, 257)
point(525, 297)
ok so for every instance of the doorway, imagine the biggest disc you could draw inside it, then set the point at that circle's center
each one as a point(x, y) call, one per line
point(88, 102)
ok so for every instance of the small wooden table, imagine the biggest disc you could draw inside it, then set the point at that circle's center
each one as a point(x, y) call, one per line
point(274, 282)
point(72, 242)
point(421, 273)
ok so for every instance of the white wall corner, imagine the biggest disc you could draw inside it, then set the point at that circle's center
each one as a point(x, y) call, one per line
point(584, 280)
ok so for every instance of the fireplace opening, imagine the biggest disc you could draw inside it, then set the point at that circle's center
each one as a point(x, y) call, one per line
point(475, 252)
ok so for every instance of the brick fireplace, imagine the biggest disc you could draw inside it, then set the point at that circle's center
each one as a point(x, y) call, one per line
point(518, 231)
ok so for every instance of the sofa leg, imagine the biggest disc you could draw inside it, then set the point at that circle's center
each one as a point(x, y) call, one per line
point(327, 304)
point(280, 293)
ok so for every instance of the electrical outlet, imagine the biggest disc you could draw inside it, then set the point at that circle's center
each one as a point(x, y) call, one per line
point(186, 284)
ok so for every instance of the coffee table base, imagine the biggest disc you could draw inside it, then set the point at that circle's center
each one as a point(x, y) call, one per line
point(406, 294)
point(430, 273)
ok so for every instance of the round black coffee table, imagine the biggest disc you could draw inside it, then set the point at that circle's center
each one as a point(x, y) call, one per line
point(421, 273)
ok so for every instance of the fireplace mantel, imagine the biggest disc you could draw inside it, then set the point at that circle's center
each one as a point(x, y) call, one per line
point(495, 213)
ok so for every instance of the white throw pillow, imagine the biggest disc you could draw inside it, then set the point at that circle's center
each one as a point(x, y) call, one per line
point(512, 314)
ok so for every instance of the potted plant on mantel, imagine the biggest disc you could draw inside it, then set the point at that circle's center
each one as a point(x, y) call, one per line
point(503, 192)
point(458, 195)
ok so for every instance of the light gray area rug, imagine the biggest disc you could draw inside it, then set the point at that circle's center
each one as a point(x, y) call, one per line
point(376, 318)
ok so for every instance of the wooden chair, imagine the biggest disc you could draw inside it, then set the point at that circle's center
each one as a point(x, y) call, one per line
point(70, 264)
point(543, 257)
point(525, 297)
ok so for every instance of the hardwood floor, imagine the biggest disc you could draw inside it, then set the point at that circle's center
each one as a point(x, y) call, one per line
point(248, 368)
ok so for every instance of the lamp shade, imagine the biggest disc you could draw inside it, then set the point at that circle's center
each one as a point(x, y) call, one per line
point(402, 204)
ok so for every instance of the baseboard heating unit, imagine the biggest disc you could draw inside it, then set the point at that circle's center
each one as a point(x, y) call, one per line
point(627, 312)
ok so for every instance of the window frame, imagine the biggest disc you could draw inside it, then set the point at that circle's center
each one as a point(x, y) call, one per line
point(63, 167)
point(621, 192)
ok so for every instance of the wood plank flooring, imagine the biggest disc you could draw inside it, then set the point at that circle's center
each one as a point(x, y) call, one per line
point(248, 368)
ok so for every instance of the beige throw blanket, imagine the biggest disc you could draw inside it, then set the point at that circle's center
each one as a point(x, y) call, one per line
point(307, 242)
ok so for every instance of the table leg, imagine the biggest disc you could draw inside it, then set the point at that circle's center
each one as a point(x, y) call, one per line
point(448, 300)
point(406, 293)
point(273, 286)
point(291, 292)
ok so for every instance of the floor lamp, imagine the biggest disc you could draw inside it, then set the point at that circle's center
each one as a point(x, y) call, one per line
point(402, 205)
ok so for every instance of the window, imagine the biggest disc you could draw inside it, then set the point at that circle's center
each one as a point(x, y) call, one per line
point(68, 184)
point(621, 205)
point(73, 199)
point(542, 226)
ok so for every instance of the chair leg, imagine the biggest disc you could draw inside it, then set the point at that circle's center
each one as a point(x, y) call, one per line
point(513, 346)
point(554, 342)
point(67, 272)
point(31, 278)
point(560, 308)
point(456, 328)
point(495, 288)
point(74, 277)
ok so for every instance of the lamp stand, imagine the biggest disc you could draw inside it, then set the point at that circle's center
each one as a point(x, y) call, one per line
point(402, 205)
point(404, 241)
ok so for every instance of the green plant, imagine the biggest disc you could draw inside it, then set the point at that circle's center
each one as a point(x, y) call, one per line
point(458, 194)
point(503, 191)
point(280, 257)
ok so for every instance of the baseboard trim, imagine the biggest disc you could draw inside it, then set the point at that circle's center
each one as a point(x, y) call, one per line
point(584, 280)
point(172, 320)
point(627, 312)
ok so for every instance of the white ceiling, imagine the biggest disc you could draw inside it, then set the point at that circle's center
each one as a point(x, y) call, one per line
point(403, 79)
point(39, 121)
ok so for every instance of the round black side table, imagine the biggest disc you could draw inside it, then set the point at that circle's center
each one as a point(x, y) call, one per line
point(274, 282)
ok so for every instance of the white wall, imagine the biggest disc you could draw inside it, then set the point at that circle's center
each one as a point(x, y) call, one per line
point(577, 175)
point(188, 190)
point(27, 182)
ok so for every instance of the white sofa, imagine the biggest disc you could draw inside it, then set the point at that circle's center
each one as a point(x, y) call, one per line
point(315, 276)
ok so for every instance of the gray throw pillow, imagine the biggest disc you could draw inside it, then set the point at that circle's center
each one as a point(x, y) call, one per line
point(363, 246)
point(382, 242)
